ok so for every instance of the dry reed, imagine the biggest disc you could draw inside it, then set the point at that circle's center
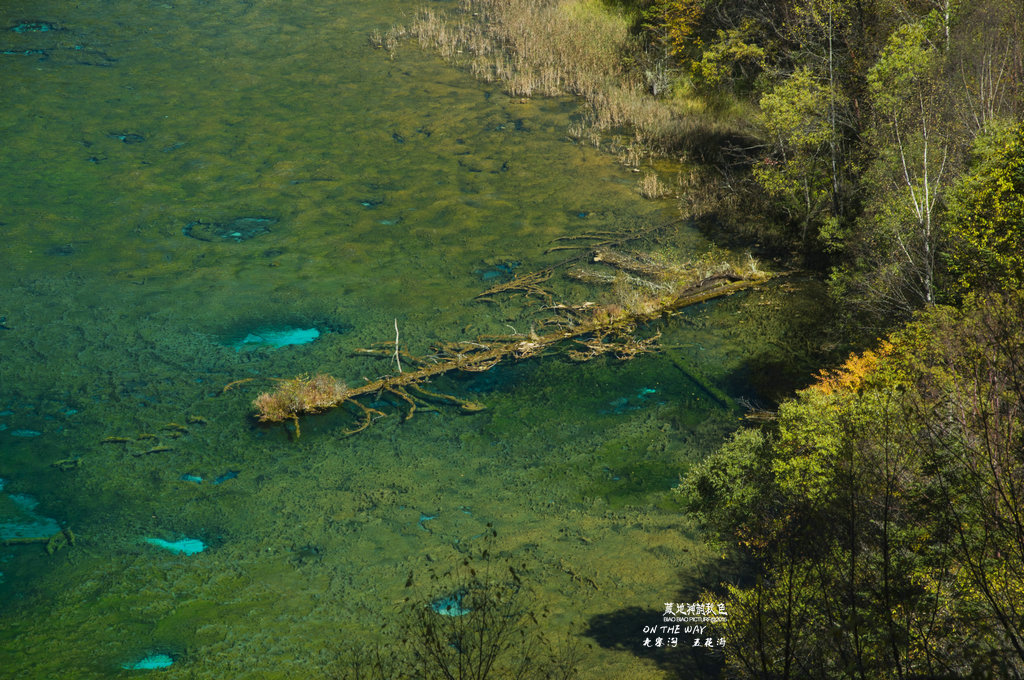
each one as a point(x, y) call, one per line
point(651, 187)
point(554, 47)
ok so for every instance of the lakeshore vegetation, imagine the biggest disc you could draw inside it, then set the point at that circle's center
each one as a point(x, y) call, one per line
point(880, 513)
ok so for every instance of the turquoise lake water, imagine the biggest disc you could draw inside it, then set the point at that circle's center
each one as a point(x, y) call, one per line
point(184, 184)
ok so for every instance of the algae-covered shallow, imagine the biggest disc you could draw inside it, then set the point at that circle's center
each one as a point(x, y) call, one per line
point(182, 175)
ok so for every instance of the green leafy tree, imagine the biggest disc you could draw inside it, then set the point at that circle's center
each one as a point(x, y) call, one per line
point(889, 506)
point(914, 152)
point(795, 116)
point(830, 39)
point(888, 257)
point(674, 23)
point(986, 215)
point(731, 57)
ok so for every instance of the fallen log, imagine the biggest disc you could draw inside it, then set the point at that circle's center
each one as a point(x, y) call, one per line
point(596, 330)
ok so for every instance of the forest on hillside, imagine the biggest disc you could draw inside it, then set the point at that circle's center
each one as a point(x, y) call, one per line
point(888, 138)
point(883, 510)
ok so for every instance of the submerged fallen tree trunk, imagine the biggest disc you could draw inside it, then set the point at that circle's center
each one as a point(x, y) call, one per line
point(602, 330)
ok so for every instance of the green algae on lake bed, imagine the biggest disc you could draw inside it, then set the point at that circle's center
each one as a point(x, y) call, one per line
point(116, 320)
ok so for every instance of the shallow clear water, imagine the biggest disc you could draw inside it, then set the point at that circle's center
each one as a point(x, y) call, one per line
point(180, 175)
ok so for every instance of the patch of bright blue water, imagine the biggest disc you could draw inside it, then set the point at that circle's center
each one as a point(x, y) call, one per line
point(25, 433)
point(34, 27)
point(151, 662)
point(276, 338)
point(450, 605)
point(426, 518)
point(24, 53)
point(185, 546)
point(191, 478)
point(230, 474)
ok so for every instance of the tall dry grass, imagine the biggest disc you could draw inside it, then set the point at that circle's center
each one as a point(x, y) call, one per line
point(651, 186)
point(577, 47)
point(545, 47)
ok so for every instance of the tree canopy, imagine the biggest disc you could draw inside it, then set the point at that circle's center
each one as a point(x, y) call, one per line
point(886, 509)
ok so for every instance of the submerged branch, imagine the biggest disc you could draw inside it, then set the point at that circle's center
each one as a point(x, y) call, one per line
point(607, 330)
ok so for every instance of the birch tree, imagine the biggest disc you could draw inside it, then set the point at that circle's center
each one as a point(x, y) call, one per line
point(914, 152)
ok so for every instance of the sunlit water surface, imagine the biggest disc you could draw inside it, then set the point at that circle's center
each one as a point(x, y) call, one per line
point(178, 176)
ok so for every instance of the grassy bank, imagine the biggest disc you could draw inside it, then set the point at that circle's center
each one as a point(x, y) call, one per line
point(580, 47)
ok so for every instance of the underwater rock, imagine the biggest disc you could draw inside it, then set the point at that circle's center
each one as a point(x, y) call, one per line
point(424, 517)
point(625, 404)
point(150, 662)
point(230, 474)
point(18, 517)
point(450, 605)
point(276, 338)
point(26, 53)
point(60, 56)
point(127, 137)
point(185, 546)
point(307, 554)
point(237, 230)
point(329, 325)
point(496, 270)
point(34, 27)
point(62, 250)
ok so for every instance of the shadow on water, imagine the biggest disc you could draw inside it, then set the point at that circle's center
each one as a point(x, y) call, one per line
point(504, 378)
point(681, 662)
point(682, 649)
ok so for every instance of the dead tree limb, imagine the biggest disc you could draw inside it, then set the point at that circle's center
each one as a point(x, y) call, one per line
point(607, 330)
